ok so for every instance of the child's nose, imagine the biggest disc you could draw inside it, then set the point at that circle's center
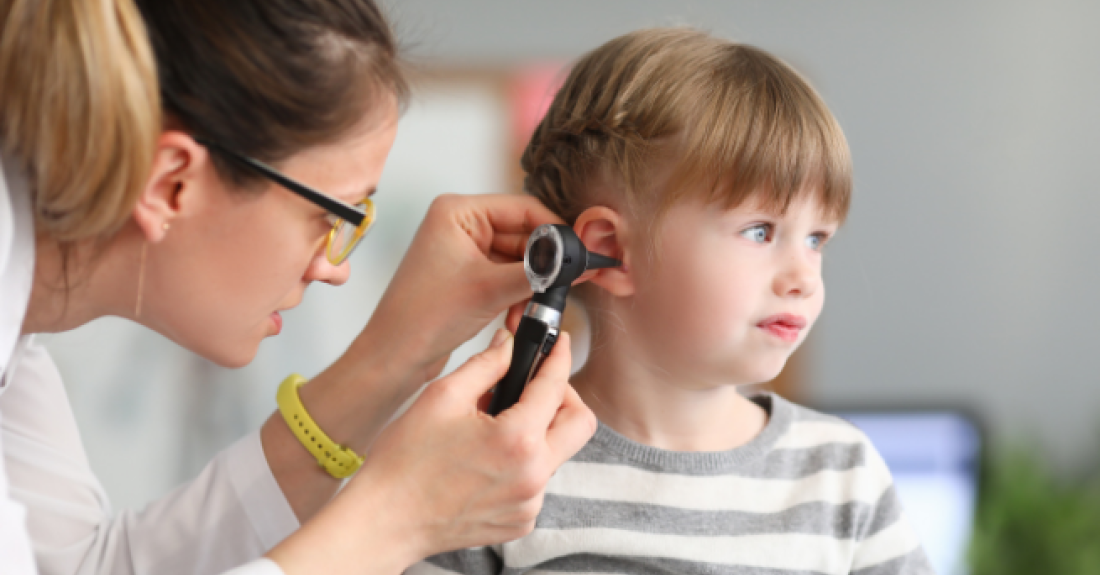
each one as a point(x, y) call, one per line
point(797, 278)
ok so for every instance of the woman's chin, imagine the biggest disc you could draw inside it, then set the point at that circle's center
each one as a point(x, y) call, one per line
point(232, 356)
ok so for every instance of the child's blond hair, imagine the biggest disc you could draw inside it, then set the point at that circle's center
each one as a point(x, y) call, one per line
point(741, 123)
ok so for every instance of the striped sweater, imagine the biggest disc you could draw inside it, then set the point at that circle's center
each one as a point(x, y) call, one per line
point(808, 495)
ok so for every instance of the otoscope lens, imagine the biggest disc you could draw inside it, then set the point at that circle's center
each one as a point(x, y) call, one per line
point(541, 256)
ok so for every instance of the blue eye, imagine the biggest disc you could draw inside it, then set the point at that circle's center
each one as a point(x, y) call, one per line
point(815, 242)
point(759, 233)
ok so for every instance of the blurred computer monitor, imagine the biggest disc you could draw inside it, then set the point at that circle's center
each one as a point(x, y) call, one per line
point(934, 456)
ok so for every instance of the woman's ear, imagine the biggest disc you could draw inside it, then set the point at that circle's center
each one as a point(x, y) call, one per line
point(176, 168)
point(604, 231)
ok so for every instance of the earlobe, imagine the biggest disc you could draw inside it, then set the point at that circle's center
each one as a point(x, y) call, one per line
point(604, 231)
point(175, 167)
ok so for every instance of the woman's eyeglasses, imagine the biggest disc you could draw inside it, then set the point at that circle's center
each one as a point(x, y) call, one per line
point(352, 222)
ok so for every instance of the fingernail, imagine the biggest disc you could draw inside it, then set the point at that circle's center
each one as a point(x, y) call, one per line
point(500, 337)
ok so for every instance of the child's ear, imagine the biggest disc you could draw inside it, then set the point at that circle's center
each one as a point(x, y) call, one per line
point(604, 231)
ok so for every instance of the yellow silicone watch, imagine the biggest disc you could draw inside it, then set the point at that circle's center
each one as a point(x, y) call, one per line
point(339, 461)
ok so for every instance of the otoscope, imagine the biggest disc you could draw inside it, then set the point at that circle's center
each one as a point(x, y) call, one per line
point(554, 258)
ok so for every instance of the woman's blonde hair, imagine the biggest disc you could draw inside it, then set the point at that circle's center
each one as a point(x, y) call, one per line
point(740, 124)
point(80, 109)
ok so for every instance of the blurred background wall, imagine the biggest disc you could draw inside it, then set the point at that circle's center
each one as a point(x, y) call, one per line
point(967, 274)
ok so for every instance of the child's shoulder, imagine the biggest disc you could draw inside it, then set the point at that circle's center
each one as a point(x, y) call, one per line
point(816, 441)
point(809, 426)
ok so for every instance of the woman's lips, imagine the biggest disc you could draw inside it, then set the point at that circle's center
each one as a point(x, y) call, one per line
point(787, 327)
point(278, 321)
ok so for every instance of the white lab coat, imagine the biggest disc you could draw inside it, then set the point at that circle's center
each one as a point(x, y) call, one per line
point(54, 515)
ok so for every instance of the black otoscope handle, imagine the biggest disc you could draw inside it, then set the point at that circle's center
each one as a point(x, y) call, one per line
point(529, 338)
point(533, 342)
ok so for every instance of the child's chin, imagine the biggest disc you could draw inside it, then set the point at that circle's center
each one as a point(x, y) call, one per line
point(763, 372)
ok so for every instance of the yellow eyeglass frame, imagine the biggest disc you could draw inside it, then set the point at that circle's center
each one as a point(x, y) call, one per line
point(361, 215)
point(337, 258)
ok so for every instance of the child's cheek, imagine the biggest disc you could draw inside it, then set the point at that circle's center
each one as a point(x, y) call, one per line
point(713, 313)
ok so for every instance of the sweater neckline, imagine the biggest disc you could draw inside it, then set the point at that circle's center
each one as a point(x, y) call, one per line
point(780, 415)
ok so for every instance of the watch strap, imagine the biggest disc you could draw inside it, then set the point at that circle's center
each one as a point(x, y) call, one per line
point(339, 461)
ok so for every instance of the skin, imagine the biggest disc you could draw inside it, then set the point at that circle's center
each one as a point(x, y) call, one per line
point(219, 263)
point(676, 333)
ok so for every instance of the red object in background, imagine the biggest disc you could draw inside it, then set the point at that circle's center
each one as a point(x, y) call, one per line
point(532, 89)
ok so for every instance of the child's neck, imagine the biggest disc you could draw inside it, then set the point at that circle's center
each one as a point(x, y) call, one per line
point(650, 405)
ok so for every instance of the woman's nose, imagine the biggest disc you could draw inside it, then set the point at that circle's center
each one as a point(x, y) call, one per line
point(323, 270)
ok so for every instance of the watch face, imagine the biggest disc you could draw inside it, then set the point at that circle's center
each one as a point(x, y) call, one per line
point(542, 255)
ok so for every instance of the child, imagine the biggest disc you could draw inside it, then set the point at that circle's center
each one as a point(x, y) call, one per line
point(717, 175)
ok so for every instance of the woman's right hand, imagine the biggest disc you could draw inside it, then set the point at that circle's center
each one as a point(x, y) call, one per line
point(463, 268)
point(445, 475)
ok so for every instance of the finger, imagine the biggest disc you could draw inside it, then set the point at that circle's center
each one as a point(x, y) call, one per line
point(515, 313)
point(571, 429)
point(481, 372)
point(497, 258)
point(509, 246)
point(498, 337)
point(544, 394)
point(509, 286)
point(513, 213)
point(484, 402)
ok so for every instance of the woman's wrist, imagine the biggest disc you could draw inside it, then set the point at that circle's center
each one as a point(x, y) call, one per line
point(351, 402)
point(362, 532)
point(357, 395)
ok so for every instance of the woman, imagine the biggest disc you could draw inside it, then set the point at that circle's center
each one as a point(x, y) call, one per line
point(135, 183)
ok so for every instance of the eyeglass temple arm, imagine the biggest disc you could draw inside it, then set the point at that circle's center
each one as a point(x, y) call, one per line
point(340, 209)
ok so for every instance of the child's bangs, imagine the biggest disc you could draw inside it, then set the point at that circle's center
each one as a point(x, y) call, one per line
point(772, 142)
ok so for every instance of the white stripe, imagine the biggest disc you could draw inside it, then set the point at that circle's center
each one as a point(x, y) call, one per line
point(890, 543)
point(425, 568)
point(803, 434)
point(716, 493)
point(797, 552)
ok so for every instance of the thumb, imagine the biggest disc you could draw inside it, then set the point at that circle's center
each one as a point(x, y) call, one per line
point(510, 285)
point(481, 372)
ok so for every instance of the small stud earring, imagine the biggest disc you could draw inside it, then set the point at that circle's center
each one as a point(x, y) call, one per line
point(167, 225)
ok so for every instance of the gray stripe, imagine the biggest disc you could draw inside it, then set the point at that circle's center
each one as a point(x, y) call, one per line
point(803, 413)
point(777, 464)
point(887, 511)
point(838, 521)
point(912, 563)
point(482, 560)
point(608, 445)
point(607, 441)
point(582, 563)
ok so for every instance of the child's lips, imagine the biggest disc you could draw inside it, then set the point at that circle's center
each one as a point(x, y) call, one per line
point(785, 326)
